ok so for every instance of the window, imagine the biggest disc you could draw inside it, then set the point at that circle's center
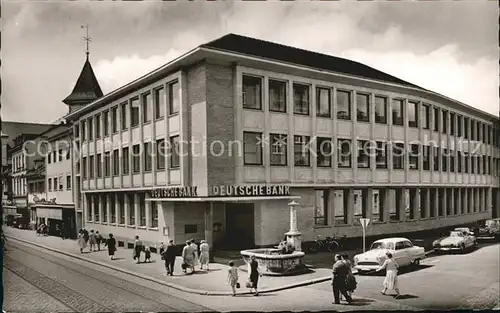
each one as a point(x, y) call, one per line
point(466, 127)
point(359, 208)
point(121, 203)
point(146, 107)
point(459, 161)
point(114, 119)
point(324, 152)
point(56, 185)
point(131, 209)
point(320, 208)
point(252, 148)
point(427, 116)
point(378, 205)
point(393, 209)
point(54, 156)
point(174, 152)
point(343, 105)
point(413, 157)
point(444, 158)
point(148, 157)
point(91, 167)
point(397, 112)
point(363, 154)
point(124, 114)
point(278, 149)
point(60, 152)
point(112, 209)
point(68, 154)
point(174, 101)
point(142, 210)
point(341, 210)
point(160, 103)
point(98, 126)
point(160, 154)
point(136, 159)
point(154, 216)
point(444, 127)
point(380, 110)
point(125, 161)
point(49, 158)
point(116, 162)
point(105, 123)
point(96, 209)
point(381, 155)
point(344, 155)
point(99, 165)
point(472, 129)
point(104, 209)
point(301, 152)
point(134, 112)
point(323, 102)
point(452, 160)
point(91, 129)
point(459, 125)
point(277, 96)
point(466, 162)
point(252, 92)
point(398, 156)
point(426, 150)
point(84, 168)
point(362, 107)
point(435, 155)
point(436, 119)
point(452, 124)
point(107, 163)
point(84, 133)
point(413, 114)
point(50, 184)
point(301, 99)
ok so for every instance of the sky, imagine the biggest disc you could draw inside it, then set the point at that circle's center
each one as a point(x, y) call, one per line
point(448, 47)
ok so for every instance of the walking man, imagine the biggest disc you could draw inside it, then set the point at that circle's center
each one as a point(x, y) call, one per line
point(340, 272)
point(169, 258)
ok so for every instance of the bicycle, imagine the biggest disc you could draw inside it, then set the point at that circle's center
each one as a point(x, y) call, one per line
point(329, 244)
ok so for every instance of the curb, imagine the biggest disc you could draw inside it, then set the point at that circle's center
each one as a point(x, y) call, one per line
point(168, 284)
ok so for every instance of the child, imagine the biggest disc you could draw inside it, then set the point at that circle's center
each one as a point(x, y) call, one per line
point(232, 277)
point(147, 253)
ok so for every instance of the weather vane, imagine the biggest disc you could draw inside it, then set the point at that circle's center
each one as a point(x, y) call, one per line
point(86, 38)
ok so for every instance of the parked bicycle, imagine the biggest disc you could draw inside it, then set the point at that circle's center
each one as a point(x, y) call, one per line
point(328, 244)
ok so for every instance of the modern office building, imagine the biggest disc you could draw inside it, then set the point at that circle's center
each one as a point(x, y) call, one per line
point(248, 125)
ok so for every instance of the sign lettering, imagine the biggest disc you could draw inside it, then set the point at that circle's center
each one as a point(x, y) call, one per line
point(224, 191)
point(176, 192)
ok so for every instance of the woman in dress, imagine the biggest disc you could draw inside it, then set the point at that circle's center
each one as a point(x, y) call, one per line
point(391, 276)
point(81, 241)
point(232, 277)
point(188, 257)
point(195, 249)
point(204, 254)
point(254, 275)
point(92, 241)
point(350, 279)
point(111, 243)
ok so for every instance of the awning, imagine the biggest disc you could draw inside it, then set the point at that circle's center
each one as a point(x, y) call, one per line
point(223, 199)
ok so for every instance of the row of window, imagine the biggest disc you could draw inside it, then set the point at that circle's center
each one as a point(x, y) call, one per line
point(57, 183)
point(18, 163)
point(19, 186)
point(58, 156)
point(128, 114)
point(419, 114)
point(324, 203)
point(117, 210)
point(368, 154)
point(108, 164)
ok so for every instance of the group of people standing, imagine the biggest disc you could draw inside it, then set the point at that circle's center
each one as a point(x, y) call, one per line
point(191, 256)
point(91, 239)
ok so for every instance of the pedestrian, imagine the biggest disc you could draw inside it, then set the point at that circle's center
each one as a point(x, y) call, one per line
point(161, 249)
point(81, 241)
point(169, 257)
point(188, 257)
point(350, 278)
point(195, 249)
point(339, 276)
point(232, 277)
point(204, 254)
point(92, 240)
point(63, 231)
point(391, 276)
point(147, 254)
point(111, 244)
point(137, 249)
point(86, 235)
point(254, 275)
point(98, 239)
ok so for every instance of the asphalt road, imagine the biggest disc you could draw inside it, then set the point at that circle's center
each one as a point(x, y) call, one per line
point(36, 280)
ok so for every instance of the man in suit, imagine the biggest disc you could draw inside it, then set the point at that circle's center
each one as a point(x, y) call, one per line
point(169, 257)
point(340, 272)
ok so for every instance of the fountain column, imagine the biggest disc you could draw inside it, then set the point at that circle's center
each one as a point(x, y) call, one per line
point(293, 235)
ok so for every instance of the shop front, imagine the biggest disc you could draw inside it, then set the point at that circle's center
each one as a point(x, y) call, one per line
point(57, 217)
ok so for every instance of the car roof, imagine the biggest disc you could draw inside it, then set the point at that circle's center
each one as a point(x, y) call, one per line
point(393, 239)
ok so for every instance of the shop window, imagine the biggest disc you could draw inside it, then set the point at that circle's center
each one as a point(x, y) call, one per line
point(104, 209)
point(321, 206)
point(340, 207)
point(131, 209)
point(142, 210)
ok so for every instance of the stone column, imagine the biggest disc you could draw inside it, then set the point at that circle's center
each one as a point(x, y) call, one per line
point(387, 203)
point(436, 202)
point(99, 203)
point(293, 236)
point(85, 209)
point(108, 208)
point(416, 204)
point(369, 203)
point(149, 206)
point(349, 194)
point(452, 203)
point(125, 207)
point(427, 205)
point(401, 203)
point(92, 206)
point(209, 221)
point(136, 209)
point(489, 202)
point(458, 201)
point(477, 200)
point(444, 202)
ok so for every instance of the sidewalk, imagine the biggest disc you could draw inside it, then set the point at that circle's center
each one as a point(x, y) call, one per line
point(202, 282)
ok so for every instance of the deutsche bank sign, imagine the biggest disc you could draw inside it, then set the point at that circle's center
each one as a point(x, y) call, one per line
point(224, 191)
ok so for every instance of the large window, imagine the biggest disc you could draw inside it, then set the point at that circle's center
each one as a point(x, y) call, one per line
point(160, 154)
point(436, 119)
point(112, 209)
point(398, 156)
point(397, 112)
point(148, 156)
point(435, 155)
point(153, 216)
point(426, 158)
point(121, 203)
point(341, 208)
point(301, 152)
point(444, 121)
point(277, 96)
point(324, 152)
point(413, 109)
point(362, 107)
point(380, 110)
point(107, 163)
point(323, 102)
point(98, 126)
point(444, 160)
point(84, 168)
point(363, 158)
point(343, 105)
point(147, 105)
point(459, 125)
point(84, 132)
point(252, 92)
point(466, 127)
point(91, 128)
point(134, 112)
point(300, 99)
point(174, 151)
point(413, 156)
point(278, 149)
point(174, 100)
point(99, 165)
point(427, 116)
point(124, 115)
point(452, 124)
point(105, 123)
point(381, 155)
point(91, 166)
point(321, 207)
point(116, 162)
point(125, 161)
point(252, 148)
point(344, 153)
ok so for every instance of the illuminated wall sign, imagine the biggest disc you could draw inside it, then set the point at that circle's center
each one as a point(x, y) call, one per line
point(224, 191)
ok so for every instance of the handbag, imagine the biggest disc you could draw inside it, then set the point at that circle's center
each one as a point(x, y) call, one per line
point(184, 265)
point(249, 284)
point(238, 285)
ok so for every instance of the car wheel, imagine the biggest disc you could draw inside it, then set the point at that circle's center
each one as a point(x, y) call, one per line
point(416, 262)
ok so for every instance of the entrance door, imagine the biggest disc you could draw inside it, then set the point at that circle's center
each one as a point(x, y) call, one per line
point(239, 226)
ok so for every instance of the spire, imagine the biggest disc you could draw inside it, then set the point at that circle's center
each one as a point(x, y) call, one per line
point(86, 38)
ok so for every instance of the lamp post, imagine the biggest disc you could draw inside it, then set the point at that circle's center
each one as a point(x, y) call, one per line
point(293, 235)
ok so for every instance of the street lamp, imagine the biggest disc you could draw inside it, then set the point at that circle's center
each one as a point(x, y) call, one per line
point(293, 235)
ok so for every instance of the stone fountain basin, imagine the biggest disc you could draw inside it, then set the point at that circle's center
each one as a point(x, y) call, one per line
point(272, 262)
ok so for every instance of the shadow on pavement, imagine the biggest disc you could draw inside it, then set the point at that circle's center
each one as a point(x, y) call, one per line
point(360, 302)
point(252, 295)
point(402, 271)
point(405, 296)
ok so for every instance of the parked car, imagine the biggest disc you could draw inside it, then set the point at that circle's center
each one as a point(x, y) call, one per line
point(402, 249)
point(459, 239)
point(490, 229)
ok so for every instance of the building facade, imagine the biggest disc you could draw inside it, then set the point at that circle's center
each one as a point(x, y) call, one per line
point(214, 145)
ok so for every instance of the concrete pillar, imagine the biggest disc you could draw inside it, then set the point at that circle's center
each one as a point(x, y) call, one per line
point(349, 195)
point(92, 206)
point(465, 202)
point(85, 209)
point(149, 207)
point(402, 204)
point(385, 205)
point(118, 209)
point(458, 201)
point(136, 209)
point(417, 205)
point(477, 200)
point(108, 208)
point(436, 203)
point(470, 208)
point(489, 202)
point(369, 203)
point(444, 202)
point(125, 207)
point(100, 206)
point(452, 204)
point(209, 221)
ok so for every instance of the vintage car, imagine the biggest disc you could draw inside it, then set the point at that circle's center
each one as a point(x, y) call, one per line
point(459, 239)
point(490, 229)
point(402, 249)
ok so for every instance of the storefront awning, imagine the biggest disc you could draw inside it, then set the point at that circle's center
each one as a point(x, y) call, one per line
point(223, 199)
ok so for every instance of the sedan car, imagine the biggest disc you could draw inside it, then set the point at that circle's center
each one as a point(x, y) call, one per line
point(458, 240)
point(402, 249)
point(490, 229)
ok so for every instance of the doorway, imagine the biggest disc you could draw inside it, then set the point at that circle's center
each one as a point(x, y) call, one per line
point(239, 226)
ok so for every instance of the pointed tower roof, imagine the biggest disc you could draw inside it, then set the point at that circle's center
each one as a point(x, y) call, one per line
point(87, 87)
